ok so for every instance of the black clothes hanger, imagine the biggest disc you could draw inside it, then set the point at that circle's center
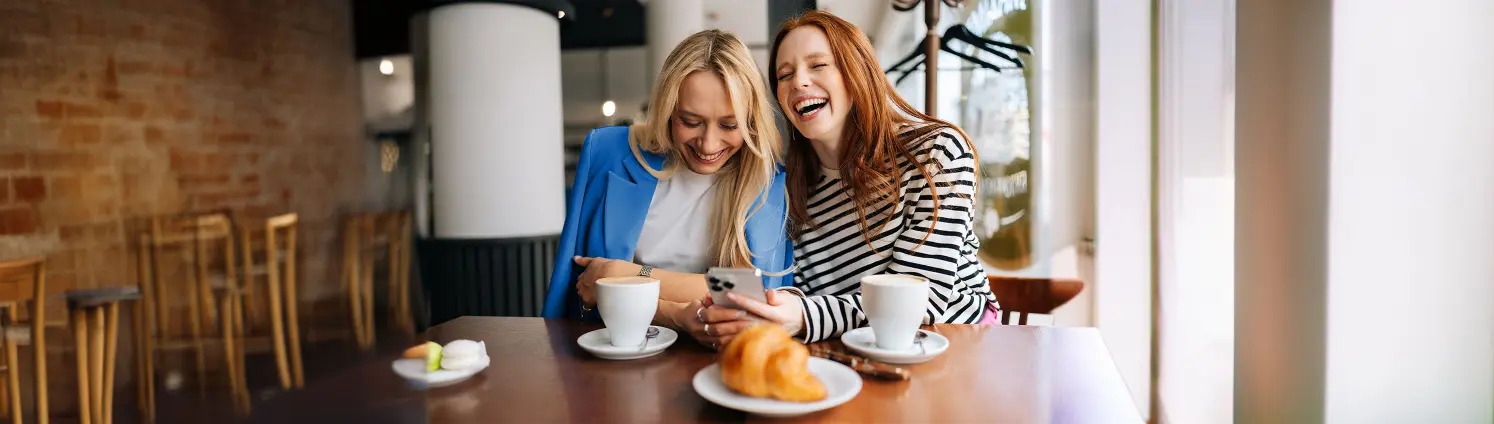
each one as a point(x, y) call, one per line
point(960, 32)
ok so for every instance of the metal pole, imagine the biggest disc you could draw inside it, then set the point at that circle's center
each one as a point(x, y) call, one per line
point(931, 55)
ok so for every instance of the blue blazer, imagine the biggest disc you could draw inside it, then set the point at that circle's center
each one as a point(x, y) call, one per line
point(609, 200)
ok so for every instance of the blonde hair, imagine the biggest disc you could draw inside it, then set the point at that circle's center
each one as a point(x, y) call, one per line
point(746, 177)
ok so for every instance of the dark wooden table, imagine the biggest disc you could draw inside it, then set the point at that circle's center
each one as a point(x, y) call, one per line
point(1003, 374)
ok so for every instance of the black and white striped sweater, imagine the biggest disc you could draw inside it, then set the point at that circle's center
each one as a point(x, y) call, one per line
point(833, 255)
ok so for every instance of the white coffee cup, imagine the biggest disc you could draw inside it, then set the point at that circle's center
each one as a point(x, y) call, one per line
point(627, 305)
point(895, 305)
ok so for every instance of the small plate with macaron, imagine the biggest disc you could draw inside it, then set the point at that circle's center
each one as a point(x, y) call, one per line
point(433, 365)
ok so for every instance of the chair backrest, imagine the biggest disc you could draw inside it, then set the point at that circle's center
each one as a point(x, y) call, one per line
point(22, 279)
point(1032, 295)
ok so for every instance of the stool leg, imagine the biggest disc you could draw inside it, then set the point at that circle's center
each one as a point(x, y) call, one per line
point(96, 362)
point(111, 338)
point(367, 290)
point(292, 317)
point(238, 310)
point(195, 319)
point(229, 350)
point(13, 379)
point(351, 267)
point(80, 350)
point(277, 325)
point(39, 351)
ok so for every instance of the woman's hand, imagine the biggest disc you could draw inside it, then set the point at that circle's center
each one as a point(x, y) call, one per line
point(782, 309)
point(712, 325)
point(598, 268)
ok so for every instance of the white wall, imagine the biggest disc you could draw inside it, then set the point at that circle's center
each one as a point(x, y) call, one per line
point(1123, 169)
point(1362, 192)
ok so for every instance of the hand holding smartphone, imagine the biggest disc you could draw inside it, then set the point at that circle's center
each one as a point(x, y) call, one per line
point(747, 282)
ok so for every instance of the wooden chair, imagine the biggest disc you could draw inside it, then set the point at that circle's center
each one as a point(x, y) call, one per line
point(366, 238)
point(95, 312)
point(278, 240)
point(1031, 295)
point(213, 296)
point(24, 281)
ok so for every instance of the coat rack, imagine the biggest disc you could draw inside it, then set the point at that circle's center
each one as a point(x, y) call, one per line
point(930, 47)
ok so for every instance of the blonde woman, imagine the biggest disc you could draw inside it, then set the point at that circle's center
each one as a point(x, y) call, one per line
point(697, 185)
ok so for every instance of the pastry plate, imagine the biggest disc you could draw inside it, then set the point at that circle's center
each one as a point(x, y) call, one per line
point(841, 384)
point(413, 369)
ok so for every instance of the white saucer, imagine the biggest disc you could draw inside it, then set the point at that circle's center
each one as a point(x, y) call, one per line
point(413, 369)
point(841, 385)
point(864, 342)
point(599, 343)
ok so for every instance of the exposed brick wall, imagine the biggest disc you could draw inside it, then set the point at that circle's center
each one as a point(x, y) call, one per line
point(117, 110)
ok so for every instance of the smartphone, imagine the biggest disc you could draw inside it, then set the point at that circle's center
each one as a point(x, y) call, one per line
point(746, 282)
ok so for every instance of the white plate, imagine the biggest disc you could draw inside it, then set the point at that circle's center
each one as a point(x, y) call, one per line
point(413, 369)
point(599, 343)
point(841, 385)
point(864, 342)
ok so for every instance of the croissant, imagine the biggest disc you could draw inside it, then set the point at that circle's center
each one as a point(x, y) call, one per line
point(765, 362)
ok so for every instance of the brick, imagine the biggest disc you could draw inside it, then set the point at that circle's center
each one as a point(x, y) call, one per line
point(30, 189)
point(80, 134)
point(73, 234)
point(49, 109)
point(78, 111)
point(4, 191)
point(18, 220)
point(60, 161)
point(133, 110)
point(182, 160)
point(66, 187)
point(12, 161)
point(235, 138)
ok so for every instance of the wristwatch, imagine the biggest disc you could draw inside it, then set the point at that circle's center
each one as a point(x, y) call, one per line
point(645, 271)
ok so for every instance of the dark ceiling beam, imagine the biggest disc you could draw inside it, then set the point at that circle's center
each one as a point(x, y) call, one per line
point(382, 27)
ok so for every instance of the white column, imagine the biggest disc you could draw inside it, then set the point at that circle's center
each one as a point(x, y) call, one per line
point(496, 121)
point(667, 23)
point(1363, 273)
point(1123, 188)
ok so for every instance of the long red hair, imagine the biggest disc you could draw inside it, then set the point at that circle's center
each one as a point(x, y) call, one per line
point(871, 140)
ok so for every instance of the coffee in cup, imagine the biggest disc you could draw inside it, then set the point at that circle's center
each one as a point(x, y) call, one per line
point(895, 306)
point(627, 305)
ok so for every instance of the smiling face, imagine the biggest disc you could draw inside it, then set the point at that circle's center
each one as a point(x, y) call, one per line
point(703, 125)
point(810, 89)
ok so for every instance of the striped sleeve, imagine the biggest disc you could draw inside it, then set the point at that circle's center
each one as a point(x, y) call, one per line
point(926, 246)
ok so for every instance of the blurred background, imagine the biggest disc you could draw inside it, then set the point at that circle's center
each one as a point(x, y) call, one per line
point(282, 187)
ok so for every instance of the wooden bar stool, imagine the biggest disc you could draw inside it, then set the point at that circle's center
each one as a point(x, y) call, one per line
point(24, 281)
point(1031, 295)
point(367, 237)
point(95, 322)
point(278, 239)
point(213, 297)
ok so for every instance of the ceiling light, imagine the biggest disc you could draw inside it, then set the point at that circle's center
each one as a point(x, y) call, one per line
point(386, 67)
point(560, 15)
point(609, 108)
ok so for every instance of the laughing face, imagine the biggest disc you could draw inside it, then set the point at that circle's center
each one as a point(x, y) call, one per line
point(703, 125)
point(809, 86)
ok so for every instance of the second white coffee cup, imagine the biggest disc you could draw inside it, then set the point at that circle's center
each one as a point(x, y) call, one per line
point(895, 306)
point(627, 305)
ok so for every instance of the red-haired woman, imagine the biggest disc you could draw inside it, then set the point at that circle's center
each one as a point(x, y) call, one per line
point(875, 187)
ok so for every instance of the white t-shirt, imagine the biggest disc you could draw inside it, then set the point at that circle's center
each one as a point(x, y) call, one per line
point(677, 232)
